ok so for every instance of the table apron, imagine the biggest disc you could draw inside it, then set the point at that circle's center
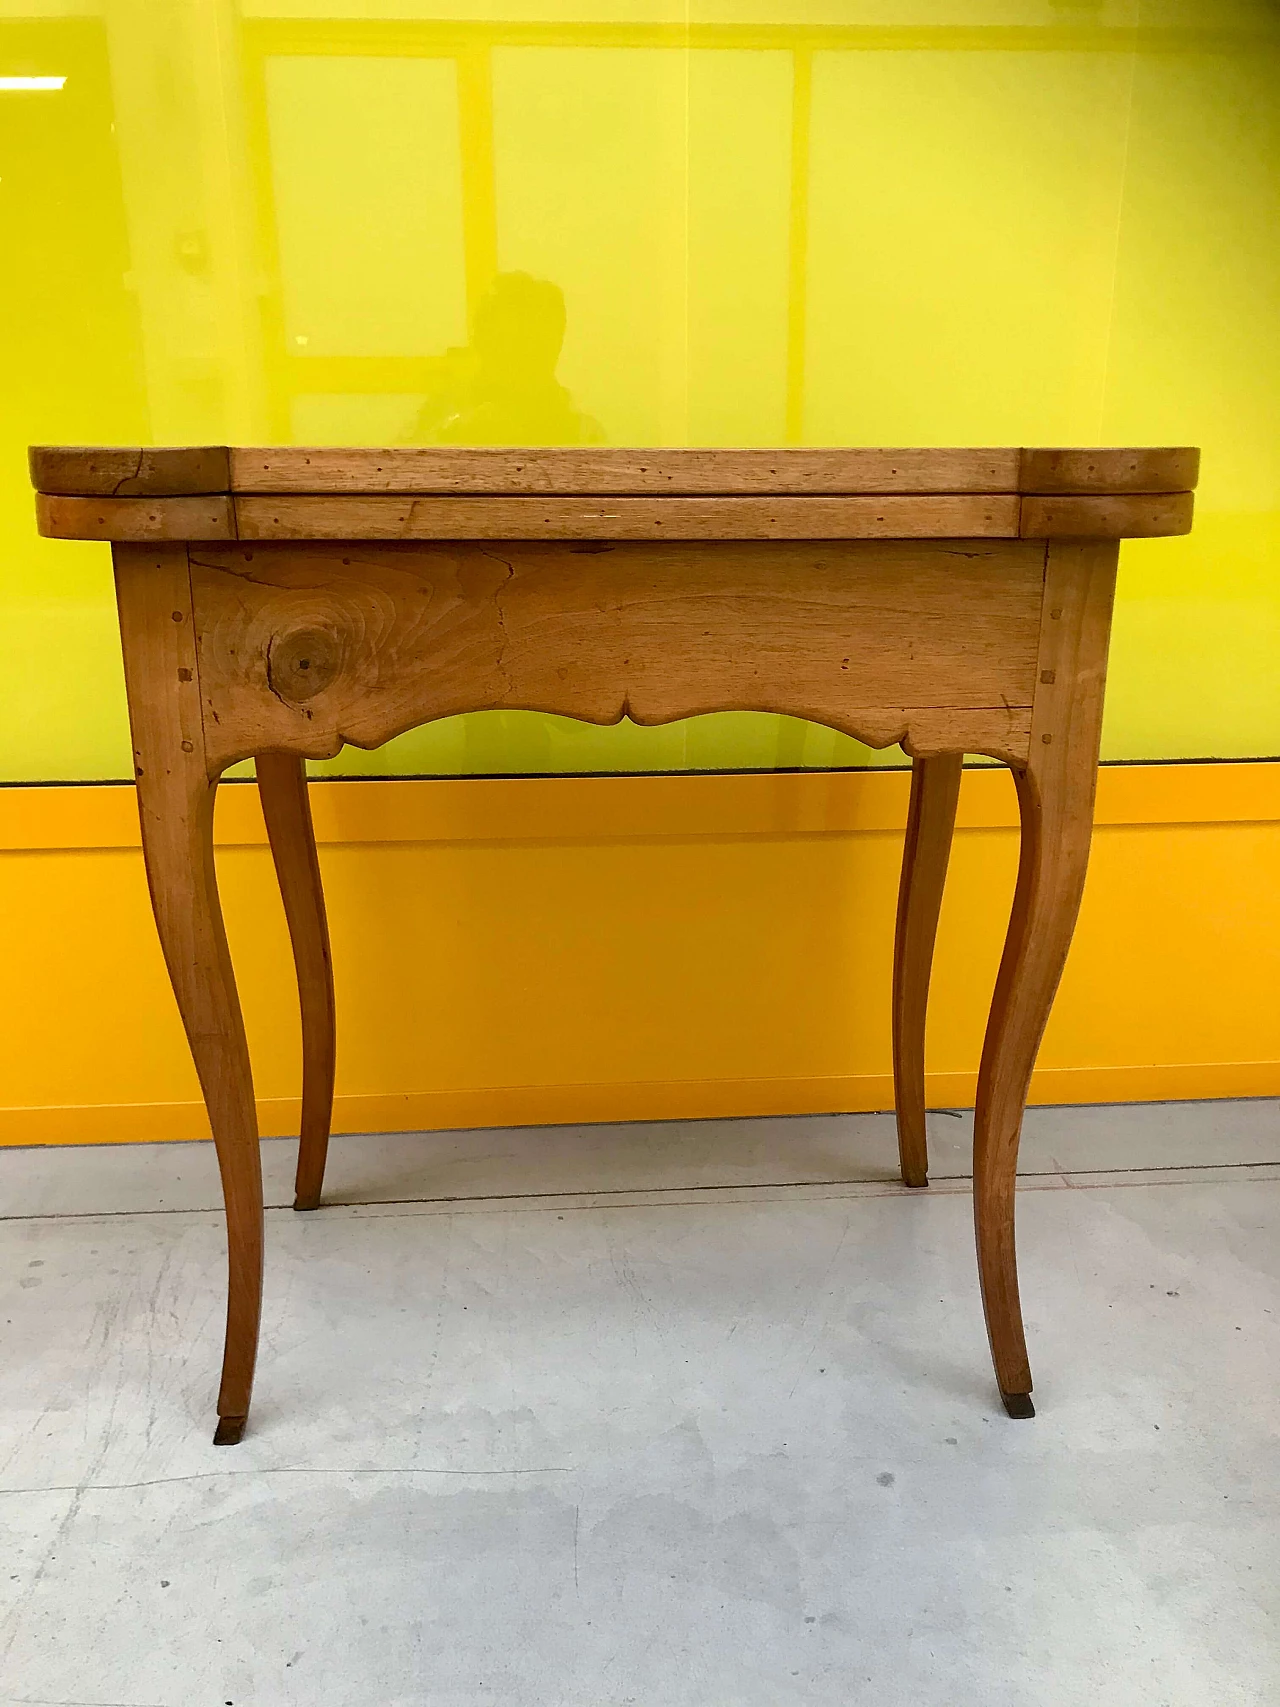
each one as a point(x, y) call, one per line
point(304, 647)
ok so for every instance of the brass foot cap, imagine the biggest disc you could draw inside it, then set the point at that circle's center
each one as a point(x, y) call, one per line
point(1018, 1404)
point(230, 1431)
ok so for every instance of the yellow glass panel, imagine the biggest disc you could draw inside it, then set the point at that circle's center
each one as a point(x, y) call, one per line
point(1195, 358)
point(590, 161)
point(366, 178)
point(73, 371)
point(738, 235)
point(963, 210)
point(721, 221)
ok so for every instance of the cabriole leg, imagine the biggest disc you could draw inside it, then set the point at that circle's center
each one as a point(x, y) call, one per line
point(282, 784)
point(935, 789)
point(1055, 797)
point(175, 800)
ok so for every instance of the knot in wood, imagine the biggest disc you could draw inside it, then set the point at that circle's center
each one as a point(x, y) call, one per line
point(303, 663)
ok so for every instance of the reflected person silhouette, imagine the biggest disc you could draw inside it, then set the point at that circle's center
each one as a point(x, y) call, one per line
point(501, 388)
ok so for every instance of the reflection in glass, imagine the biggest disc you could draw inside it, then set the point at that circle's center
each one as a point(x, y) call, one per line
point(864, 222)
point(501, 388)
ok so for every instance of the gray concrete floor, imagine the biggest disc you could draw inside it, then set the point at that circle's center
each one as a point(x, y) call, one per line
point(696, 1413)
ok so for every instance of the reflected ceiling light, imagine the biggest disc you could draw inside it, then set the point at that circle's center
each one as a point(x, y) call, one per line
point(15, 83)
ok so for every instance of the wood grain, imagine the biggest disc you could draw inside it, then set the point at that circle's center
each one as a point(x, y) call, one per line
point(604, 472)
point(1055, 795)
point(999, 516)
point(175, 801)
point(147, 471)
point(130, 472)
point(945, 517)
point(676, 583)
point(282, 787)
point(306, 647)
point(1098, 471)
point(1135, 516)
point(136, 520)
point(931, 817)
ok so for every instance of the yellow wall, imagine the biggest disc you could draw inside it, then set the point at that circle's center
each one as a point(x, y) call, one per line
point(825, 221)
point(625, 948)
point(802, 221)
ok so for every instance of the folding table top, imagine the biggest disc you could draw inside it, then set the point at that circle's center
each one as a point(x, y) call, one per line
point(217, 492)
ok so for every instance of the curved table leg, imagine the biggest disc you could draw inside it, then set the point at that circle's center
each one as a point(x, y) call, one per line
point(282, 785)
point(931, 817)
point(175, 800)
point(1055, 798)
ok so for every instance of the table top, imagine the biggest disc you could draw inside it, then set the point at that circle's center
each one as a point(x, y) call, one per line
point(218, 492)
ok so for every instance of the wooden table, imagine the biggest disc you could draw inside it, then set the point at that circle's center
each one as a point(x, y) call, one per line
point(275, 604)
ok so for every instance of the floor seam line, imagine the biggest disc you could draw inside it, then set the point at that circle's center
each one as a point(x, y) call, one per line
point(888, 1187)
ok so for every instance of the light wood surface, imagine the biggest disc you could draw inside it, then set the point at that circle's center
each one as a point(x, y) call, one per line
point(1170, 470)
point(396, 494)
point(1055, 797)
point(933, 517)
point(132, 472)
point(605, 471)
point(282, 787)
point(616, 472)
point(939, 516)
point(136, 520)
point(931, 818)
point(303, 649)
point(1126, 516)
point(1002, 516)
point(366, 614)
point(175, 803)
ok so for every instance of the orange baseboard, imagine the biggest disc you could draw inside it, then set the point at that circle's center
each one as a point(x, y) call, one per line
point(566, 1105)
point(545, 951)
point(607, 808)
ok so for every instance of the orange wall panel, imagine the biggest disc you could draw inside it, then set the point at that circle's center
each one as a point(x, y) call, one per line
point(621, 948)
